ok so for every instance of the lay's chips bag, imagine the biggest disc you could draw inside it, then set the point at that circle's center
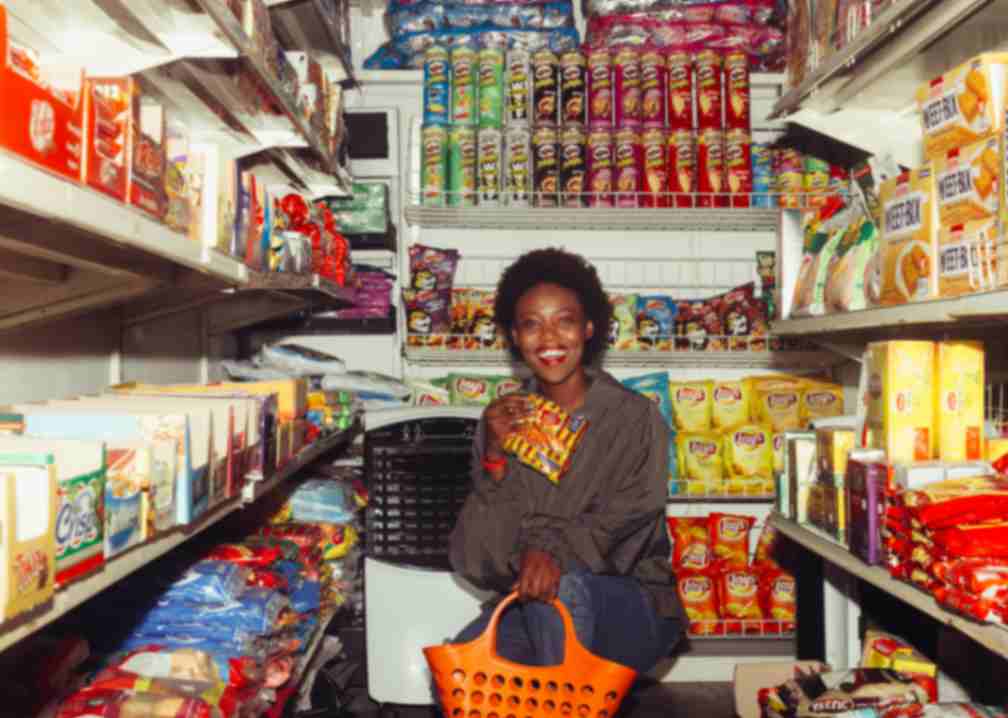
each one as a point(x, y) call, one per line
point(546, 440)
point(821, 400)
point(701, 462)
point(749, 460)
point(623, 325)
point(656, 388)
point(692, 405)
point(729, 404)
point(777, 402)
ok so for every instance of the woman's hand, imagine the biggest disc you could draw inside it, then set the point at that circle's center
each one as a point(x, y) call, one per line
point(502, 417)
point(539, 577)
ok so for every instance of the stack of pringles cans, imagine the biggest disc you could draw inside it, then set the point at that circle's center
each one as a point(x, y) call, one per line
point(623, 126)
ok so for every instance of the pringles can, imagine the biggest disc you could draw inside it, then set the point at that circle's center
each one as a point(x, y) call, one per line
point(433, 165)
point(600, 91)
point(573, 166)
point(679, 67)
point(489, 166)
point(491, 87)
point(711, 169)
point(681, 158)
point(518, 165)
point(464, 109)
point(627, 81)
point(654, 177)
point(461, 166)
point(573, 88)
point(545, 87)
point(519, 86)
point(627, 156)
point(437, 86)
point(599, 156)
point(545, 167)
point(709, 87)
point(654, 88)
point(738, 166)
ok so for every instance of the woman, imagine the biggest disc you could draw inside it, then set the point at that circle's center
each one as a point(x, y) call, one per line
point(597, 540)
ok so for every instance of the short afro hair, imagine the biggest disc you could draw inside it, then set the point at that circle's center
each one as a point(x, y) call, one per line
point(564, 269)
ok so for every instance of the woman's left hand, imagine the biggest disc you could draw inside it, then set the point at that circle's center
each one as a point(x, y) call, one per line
point(539, 577)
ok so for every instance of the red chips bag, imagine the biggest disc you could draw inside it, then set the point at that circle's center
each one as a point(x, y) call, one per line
point(245, 555)
point(779, 600)
point(958, 502)
point(981, 540)
point(698, 594)
point(729, 537)
point(690, 542)
point(738, 593)
point(765, 547)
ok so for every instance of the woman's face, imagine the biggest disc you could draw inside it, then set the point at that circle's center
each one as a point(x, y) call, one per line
point(550, 332)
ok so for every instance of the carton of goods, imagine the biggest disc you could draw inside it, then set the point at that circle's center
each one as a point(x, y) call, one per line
point(970, 181)
point(148, 161)
point(907, 261)
point(291, 394)
point(28, 494)
point(827, 510)
point(900, 412)
point(79, 468)
point(107, 145)
point(964, 105)
point(139, 492)
point(959, 401)
point(799, 469)
point(188, 431)
point(546, 440)
point(968, 257)
point(833, 445)
point(912, 477)
point(43, 115)
point(883, 650)
point(866, 484)
point(217, 198)
point(748, 456)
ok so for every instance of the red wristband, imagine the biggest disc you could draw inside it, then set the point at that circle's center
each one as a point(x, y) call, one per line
point(494, 465)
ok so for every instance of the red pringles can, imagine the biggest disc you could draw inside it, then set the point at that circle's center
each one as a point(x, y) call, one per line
point(654, 88)
point(627, 83)
point(679, 71)
point(628, 160)
point(655, 176)
point(573, 166)
point(681, 168)
point(600, 87)
point(709, 91)
point(600, 167)
point(738, 166)
point(711, 169)
point(573, 88)
point(738, 97)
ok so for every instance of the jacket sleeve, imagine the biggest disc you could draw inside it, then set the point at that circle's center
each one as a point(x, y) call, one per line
point(484, 540)
point(625, 524)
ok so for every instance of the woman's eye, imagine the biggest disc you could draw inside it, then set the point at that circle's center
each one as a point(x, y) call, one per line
point(528, 325)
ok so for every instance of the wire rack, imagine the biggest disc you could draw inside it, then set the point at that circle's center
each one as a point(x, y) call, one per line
point(744, 490)
point(730, 628)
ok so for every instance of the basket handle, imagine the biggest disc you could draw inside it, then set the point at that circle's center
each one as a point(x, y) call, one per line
point(572, 646)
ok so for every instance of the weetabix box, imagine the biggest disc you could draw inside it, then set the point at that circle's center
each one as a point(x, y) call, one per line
point(968, 260)
point(959, 401)
point(900, 415)
point(908, 255)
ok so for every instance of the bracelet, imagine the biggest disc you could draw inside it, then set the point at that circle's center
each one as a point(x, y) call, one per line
point(494, 465)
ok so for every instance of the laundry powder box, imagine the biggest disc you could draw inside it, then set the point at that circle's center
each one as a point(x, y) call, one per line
point(28, 494)
point(867, 476)
point(79, 467)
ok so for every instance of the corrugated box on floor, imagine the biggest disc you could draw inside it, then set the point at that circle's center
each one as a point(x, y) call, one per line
point(900, 416)
point(908, 255)
point(751, 677)
point(80, 479)
point(968, 260)
point(28, 495)
point(959, 401)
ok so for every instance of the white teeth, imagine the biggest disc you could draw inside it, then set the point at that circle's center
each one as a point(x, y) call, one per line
point(553, 354)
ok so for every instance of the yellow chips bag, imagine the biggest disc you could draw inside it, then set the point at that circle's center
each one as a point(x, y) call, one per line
point(546, 440)
point(777, 402)
point(730, 404)
point(749, 458)
point(701, 461)
point(692, 405)
point(821, 400)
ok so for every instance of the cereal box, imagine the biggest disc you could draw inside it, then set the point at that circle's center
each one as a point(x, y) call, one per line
point(833, 445)
point(900, 415)
point(909, 237)
point(964, 105)
point(969, 181)
point(959, 401)
point(967, 257)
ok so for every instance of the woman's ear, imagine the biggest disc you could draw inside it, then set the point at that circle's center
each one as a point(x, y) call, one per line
point(589, 329)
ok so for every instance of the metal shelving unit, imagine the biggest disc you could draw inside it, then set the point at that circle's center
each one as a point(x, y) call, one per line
point(317, 287)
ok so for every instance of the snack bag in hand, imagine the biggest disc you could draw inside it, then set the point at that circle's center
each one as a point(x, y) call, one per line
point(547, 438)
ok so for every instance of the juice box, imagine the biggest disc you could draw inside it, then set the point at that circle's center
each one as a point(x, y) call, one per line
point(900, 416)
point(959, 401)
point(909, 238)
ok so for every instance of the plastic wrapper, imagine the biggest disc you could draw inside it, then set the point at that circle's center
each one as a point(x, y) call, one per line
point(209, 581)
point(844, 691)
point(656, 388)
point(729, 536)
point(366, 384)
point(975, 541)
point(405, 19)
point(307, 598)
point(974, 607)
point(759, 11)
point(469, 390)
point(623, 325)
point(111, 703)
point(947, 710)
point(884, 650)
point(698, 595)
point(729, 404)
point(298, 360)
point(264, 578)
point(323, 501)
point(986, 578)
point(701, 461)
point(766, 546)
point(738, 595)
point(690, 540)
point(238, 658)
point(408, 50)
point(546, 440)
point(958, 502)
point(655, 323)
point(777, 402)
point(242, 555)
point(257, 613)
point(692, 405)
point(749, 460)
point(432, 268)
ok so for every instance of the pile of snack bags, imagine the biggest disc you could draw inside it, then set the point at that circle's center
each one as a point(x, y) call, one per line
point(728, 435)
point(722, 592)
point(215, 635)
point(372, 295)
point(416, 26)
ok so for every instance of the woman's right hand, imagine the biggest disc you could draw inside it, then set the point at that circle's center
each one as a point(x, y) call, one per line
point(502, 417)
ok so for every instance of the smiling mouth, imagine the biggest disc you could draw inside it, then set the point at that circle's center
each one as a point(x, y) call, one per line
point(552, 357)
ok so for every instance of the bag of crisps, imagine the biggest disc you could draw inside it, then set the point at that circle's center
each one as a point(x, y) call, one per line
point(738, 596)
point(777, 402)
point(690, 540)
point(655, 387)
point(779, 447)
point(729, 537)
point(461, 318)
point(698, 594)
point(729, 404)
point(779, 600)
point(546, 440)
point(623, 324)
point(748, 453)
point(701, 462)
point(765, 546)
point(692, 405)
point(821, 400)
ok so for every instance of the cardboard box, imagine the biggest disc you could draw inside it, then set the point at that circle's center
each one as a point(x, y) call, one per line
point(866, 486)
point(148, 163)
point(28, 494)
point(291, 394)
point(833, 444)
point(751, 677)
point(964, 105)
point(128, 513)
point(216, 197)
point(959, 401)
point(968, 257)
point(908, 256)
point(900, 416)
point(188, 432)
point(969, 181)
point(107, 147)
point(79, 468)
point(181, 211)
point(43, 107)
point(800, 469)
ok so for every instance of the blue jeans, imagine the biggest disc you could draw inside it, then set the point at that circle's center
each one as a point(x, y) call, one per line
point(613, 618)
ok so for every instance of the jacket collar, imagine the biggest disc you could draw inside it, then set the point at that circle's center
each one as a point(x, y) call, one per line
point(602, 392)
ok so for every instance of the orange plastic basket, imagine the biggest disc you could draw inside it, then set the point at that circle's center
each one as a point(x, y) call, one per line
point(473, 681)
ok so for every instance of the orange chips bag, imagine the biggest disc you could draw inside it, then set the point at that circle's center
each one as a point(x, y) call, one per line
point(698, 594)
point(765, 547)
point(690, 542)
point(778, 599)
point(738, 593)
point(729, 538)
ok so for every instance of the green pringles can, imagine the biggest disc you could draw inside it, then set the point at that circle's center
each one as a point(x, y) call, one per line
point(491, 87)
point(462, 155)
point(434, 165)
point(465, 67)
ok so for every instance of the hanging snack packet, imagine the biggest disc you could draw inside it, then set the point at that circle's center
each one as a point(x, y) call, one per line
point(470, 390)
point(749, 460)
point(738, 594)
point(656, 388)
point(690, 542)
point(729, 536)
point(547, 439)
point(692, 405)
point(623, 324)
point(778, 595)
point(656, 323)
point(729, 404)
point(432, 268)
point(698, 595)
point(428, 317)
point(461, 318)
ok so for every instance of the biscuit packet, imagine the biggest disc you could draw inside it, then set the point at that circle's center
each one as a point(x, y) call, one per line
point(749, 457)
point(701, 462)
point(546, 440)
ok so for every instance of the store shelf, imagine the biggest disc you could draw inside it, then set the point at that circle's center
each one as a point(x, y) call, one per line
point(311, 285)
point(992, 637)
point(125, 564)
point(296, 686)
point(595, 219)
point(747, 630)
point(305, 25)
point(975, 308)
